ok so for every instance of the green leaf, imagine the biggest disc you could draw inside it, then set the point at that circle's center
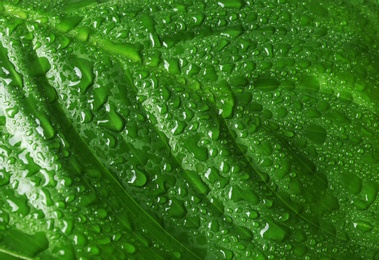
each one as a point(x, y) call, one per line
point(194, 130)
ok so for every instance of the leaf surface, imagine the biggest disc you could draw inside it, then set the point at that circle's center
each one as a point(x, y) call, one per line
point(194, 129)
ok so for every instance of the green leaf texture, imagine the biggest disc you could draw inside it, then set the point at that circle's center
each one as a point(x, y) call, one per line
point(230, 129)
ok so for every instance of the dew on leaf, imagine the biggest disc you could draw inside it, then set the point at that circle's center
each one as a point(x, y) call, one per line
point(18, 204)
point(44, 127)
point(129, 248)
point(176, 209)
point(93, 250)
point(4, 177)
point(237, 194)
point(273, 232)
point(368, 194)
point(352, 183)
point(11, 112)
point(138, 178)
point(209, 73)
point(178, 127)
point(45, 196)
point(68, 23)
point(362, 226)
point(67, 226)
point(316, 133)
point(112, 121)
point(172, 66)
point(48, 178)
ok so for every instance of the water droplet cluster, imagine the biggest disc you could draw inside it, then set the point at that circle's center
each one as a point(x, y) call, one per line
point(219, 130)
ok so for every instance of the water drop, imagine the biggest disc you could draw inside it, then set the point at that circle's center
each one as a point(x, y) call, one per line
point(138, 178)
point(362, 226)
